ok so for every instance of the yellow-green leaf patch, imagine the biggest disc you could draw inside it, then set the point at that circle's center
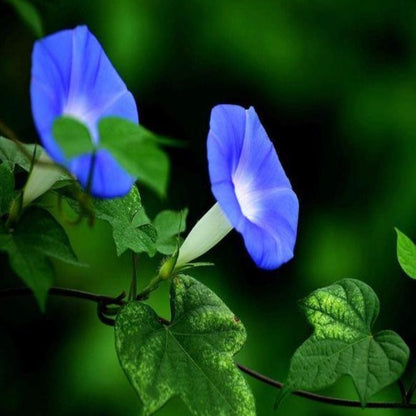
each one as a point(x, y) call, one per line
point(343, 342)
point(192, 357)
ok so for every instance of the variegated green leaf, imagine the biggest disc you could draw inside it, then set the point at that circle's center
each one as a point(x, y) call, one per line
point(343, 342)
point(192, 357)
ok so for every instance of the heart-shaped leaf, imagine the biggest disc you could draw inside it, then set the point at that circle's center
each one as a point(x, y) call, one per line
point(343, 343)
point(192, 357)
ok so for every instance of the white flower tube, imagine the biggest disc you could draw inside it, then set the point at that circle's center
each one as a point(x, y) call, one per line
point(207, 232)
point(42, 177)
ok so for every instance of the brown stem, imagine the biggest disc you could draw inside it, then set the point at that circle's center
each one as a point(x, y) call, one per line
point(72, 293)
point(104, 301)
point(324, 399)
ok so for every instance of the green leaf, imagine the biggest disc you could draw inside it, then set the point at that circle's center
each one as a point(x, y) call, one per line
point(141, 218)
point(72, 136)
point(136, 150)
point(192, 357)
point(29, 15)
point(6, 188)
point(169, 224)
point(37, 236)
point(17, 154)
point(120, 214)
point(342, 343)
point(406, 254)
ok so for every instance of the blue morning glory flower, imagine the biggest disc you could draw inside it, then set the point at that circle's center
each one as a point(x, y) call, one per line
point(253, 192)
point(72, 76)
point(251, 186)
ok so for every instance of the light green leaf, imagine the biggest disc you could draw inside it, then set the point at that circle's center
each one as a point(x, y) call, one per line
point(192, 357)
point(120, 214)
point(6, 188)
point(17, 154)
point(169, 224)
point(72, 136)
point(406, 254)
point(36, 236)
point(29, 15)
point(343, 344)
point(136, 150)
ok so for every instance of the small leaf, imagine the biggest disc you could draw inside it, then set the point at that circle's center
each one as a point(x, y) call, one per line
point(29, 15)
point(37, 236)
point(6, 188)
point(406, 254)
point(17, 154)
point(342, 343)
point(135, 148)
point(72, 136)
point(169, 224)
point(190, 358)
point(120, 213)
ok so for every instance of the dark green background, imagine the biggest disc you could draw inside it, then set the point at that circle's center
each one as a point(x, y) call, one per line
point(334, 83)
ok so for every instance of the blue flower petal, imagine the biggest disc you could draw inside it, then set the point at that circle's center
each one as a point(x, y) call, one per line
point(251, 186)
point(71, 75)
point(109, 180)
point(270, 236)
point(225, 141)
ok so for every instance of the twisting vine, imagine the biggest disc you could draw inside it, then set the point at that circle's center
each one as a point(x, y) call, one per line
point(104, 303)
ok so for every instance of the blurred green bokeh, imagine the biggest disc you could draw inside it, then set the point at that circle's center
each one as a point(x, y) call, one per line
point(334, 83)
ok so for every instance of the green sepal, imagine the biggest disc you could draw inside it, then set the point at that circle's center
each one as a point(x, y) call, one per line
point(194, 265)
point(192, 357)
point(343, 343)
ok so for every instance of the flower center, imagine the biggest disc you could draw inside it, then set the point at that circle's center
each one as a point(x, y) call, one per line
point(245, 198)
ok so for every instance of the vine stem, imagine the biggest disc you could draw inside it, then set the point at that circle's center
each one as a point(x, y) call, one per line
point(66, 292)
point(153, 285)
point(324, 399)
point(119, 300)
point(133, 285)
